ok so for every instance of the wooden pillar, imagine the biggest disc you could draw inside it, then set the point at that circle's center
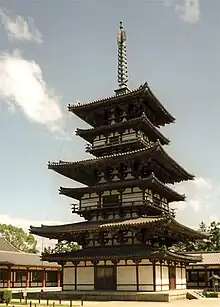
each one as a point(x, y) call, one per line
point(206, 277)
point(154, 275)
point(9, 278)
point(161, 275)
point(44, 279)
point(27, 278)
point(137, 273)
point(75, 264)
point(58, 278)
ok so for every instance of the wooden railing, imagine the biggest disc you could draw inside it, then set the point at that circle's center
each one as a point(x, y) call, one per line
point(162, 206)
point(117, 142)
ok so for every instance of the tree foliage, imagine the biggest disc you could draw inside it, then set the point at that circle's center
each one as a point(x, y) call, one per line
point(211, 243)
point(18, 238)
point(62, 247)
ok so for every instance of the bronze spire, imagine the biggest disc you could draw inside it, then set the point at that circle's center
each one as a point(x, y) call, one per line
point(122, 61)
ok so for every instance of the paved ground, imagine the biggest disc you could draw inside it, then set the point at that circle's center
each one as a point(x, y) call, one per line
point(178, 303)
point(211, 302)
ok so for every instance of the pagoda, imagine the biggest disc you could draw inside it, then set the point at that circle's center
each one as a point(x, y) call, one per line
point(129, 226)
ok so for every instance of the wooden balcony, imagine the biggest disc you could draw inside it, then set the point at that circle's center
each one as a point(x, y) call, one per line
point(137, 142)
point(160, 207)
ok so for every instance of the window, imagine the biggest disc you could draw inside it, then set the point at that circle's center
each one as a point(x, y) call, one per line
point(192, 276)
point(110, 200)
point(37, 276)
point(51, 276)
point(201, 276)
point(3, 275)
point(197, 276)
point(20, 276)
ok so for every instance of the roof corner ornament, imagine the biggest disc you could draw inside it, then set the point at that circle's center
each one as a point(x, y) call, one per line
point(122, 62)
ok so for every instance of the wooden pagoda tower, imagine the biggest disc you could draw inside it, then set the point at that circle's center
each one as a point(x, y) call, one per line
point(129, 227)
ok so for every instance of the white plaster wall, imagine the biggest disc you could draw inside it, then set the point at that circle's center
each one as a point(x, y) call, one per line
point(89, 202)
point(146, 277)
point(99, 143)
point(165, 278)
point(69, 278)
point(126, 275)
point(138, 196)
point(183, 278)
point(158, 278)
point(85, 275)
point(178, 278)
point(128, 137)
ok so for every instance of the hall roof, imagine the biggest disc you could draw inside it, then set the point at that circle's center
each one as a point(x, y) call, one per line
point(9, 255)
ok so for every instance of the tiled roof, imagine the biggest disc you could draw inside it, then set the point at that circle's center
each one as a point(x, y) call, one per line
point(6, 246)
point(140, 89)
point(208, 258)
point(166, 221)
point(143, 119)
point(132, 222)
point(125, 252)
point(151, 181)
point(155, 149)
point(23, 259)
point(9, 255)
point(144, 91)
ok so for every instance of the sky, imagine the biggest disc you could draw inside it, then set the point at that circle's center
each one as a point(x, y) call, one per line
point(53, 53)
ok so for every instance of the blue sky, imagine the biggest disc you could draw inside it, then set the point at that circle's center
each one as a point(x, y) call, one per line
point(57, 52)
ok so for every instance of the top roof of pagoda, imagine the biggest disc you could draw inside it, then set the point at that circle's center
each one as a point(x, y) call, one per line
point(143, 93)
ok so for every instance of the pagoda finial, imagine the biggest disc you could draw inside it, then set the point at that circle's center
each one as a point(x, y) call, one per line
point(122, 58)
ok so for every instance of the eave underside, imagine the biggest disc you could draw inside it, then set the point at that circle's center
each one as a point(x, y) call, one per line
point(156, 156)
point(150, 182)
point(119, 253)
point(142, 123)
point(143, 93)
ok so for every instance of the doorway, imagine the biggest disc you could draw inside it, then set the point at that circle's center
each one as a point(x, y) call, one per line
point(105, 278)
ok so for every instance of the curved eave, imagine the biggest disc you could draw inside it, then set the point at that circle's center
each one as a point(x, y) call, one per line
point(54, 232)
point(67, 169)
point(186, 174)
point(89, 134)
point(165, 117)
point(149, 182)
point(187, 230)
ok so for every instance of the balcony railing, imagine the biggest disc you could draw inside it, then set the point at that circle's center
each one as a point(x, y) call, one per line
point(117, 141)
point(96, 207)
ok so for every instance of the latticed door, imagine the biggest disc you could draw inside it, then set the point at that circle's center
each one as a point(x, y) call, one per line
point(105, 278)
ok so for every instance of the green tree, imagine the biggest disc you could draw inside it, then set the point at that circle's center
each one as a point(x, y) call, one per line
point(19, 239)
point(211, 243)
point(62, 247)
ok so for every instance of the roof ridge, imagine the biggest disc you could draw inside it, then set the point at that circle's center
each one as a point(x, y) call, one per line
point(81, 105)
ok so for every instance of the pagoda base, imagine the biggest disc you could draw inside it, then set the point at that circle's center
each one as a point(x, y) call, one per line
point(163, 296)
point(124, 275)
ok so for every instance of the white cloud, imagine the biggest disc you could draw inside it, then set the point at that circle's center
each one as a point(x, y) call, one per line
point(17, 28)
point(202, 201)
point(187, 10)
point(22, 85)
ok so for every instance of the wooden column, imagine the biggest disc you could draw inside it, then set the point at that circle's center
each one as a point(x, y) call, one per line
point(44, 279)
point(27, 278)
point(154, 275)
point(9, 278)
point(58, 278)
point(206, 277)
point(137, 272)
